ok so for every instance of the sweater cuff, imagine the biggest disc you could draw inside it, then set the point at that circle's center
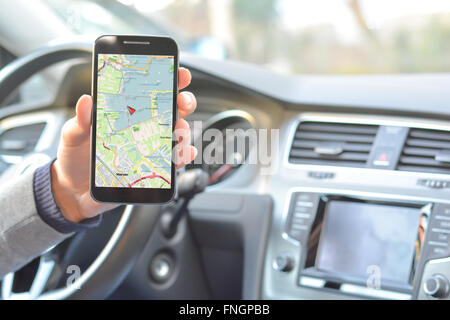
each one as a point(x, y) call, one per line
point(47, 208)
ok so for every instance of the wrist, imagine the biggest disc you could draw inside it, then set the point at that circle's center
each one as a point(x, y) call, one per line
point(64, 197)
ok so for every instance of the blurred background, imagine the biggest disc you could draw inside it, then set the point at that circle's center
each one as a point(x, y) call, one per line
point(288, 36)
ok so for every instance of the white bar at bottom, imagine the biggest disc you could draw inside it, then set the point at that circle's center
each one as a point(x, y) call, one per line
point(383, 294)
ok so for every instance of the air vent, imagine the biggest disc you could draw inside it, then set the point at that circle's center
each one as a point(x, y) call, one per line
point(426, 150)
point(335, 144)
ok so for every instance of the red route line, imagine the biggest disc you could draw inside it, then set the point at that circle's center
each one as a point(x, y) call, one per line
point(220, 172)
point(149, 177)
point(104, 62)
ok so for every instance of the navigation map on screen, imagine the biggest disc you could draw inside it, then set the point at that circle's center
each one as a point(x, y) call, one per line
point(134, 121)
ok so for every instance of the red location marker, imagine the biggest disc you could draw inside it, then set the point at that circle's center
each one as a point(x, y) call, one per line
point(131, 110)
point(383, 157)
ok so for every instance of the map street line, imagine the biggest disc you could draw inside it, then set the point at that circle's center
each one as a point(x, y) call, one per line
point(107, 168)
point(101, 174)
point(151, 99)
point(149, 177)
point(155, 168)
point(115, 154)
point(137, 68)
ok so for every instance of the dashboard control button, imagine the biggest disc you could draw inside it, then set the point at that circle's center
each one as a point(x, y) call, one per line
point(438, 244)
point(438, 253)
point(298, 215)
point(433, 184)
point(161, 267)
point(296, 234)
point(302, 209)
point(436, 286)
point(442, 217)
point(439, 236)
point(305, 204)
point(296, 220)
point(437, 230)
point(444, 224)
point(321, 175)
point(296, 226)
point(305, 197)
point(442, 237)
point(442, 209)
point(283, 262)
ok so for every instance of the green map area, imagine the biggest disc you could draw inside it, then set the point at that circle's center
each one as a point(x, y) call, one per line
point(134, 121)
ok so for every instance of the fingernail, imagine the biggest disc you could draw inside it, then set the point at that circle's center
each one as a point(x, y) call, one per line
point(83, 97)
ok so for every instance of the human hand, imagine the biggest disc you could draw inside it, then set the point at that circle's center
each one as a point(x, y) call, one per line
point(70, 171)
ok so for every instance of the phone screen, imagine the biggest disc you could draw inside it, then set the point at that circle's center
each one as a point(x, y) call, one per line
point(134, 121)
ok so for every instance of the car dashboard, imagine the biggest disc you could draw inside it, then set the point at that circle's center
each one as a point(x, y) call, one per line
point(345, 204)
point(354, 203)
point(370, 151)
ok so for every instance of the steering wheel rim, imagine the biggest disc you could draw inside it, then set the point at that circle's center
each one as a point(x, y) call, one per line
point(21, 69)
point(136, 223)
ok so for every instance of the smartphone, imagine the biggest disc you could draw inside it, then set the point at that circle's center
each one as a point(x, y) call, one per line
point(134, 90)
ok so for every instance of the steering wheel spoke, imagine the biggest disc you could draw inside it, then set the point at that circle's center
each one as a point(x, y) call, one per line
point(43, 273)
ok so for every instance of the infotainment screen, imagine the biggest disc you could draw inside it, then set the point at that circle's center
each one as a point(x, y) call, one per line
point(356, 236)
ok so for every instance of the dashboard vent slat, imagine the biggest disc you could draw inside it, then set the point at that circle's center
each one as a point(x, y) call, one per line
point(333, 137)
point(308, 144)
point(327, 163)
point(432, 135)
point(423, 149)
point(338, 128)
point(423, 152)
point(423, 161)
point(424, 143)
point(350, 156)
point(334, 144)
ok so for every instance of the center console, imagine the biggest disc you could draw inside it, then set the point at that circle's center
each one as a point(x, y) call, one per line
point(363, 245)
point(363, 232)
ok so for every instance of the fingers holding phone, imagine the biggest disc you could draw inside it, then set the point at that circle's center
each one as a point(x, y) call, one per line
point(135, 94)
point(130, 130)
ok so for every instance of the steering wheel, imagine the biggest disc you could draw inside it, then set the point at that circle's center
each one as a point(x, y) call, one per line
point(134, 227)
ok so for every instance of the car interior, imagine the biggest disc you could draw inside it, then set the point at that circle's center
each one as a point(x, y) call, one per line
point(354, 203)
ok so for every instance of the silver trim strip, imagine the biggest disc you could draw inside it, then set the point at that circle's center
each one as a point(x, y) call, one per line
point(440, 230)
point(442, 218)
point(352, 289)
point(439, 261)
point(438, 244)
point(370, 292)
point(312, 282)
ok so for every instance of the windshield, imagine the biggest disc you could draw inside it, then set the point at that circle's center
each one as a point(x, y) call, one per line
point(289, 36)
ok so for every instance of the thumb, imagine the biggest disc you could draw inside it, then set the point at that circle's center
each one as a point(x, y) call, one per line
point(77, 129)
